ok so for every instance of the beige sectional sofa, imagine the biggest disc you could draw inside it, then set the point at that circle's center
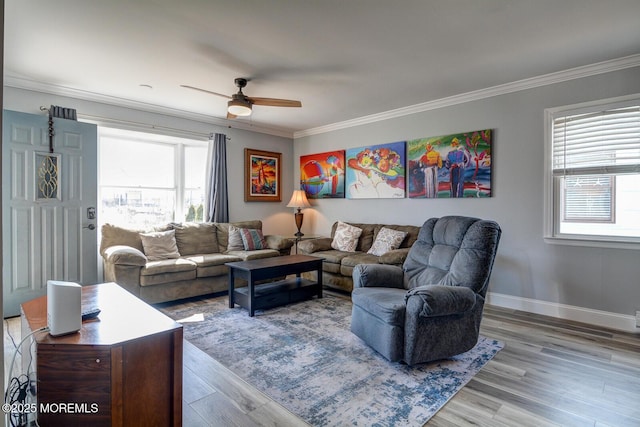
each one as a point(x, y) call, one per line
point(196, 265)
point(338, 265)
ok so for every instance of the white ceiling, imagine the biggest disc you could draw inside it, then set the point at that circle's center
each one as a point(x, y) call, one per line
point(344, 59)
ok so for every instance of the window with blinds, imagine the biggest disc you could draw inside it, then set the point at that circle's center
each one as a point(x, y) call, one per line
point(147, 179)
point(595, 169)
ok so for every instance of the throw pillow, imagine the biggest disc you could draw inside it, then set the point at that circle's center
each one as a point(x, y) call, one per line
point(346, 237)
point(235, 239)
point(387, 240)
point(252, 239)
point(160, 245)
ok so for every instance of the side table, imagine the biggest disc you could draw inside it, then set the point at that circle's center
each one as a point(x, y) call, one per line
point(122, 369)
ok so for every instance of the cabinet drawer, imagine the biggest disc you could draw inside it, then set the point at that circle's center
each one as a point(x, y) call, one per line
point(81, 377)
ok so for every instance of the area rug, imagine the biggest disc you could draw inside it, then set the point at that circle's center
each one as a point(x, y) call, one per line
point(305, 357)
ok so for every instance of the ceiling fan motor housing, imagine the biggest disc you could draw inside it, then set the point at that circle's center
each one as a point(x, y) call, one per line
point(240, 82)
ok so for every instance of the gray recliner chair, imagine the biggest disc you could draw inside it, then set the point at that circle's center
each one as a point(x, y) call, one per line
point(431, 307)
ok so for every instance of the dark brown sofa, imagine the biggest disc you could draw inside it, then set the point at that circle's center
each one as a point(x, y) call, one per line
point(338, 265)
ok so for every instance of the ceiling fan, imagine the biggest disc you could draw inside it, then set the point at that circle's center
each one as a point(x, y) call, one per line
point(240, 105)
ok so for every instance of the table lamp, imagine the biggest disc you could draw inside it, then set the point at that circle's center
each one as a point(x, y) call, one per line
point(299, 201)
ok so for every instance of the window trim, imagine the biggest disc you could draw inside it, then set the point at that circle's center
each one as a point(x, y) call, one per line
point(551, 220)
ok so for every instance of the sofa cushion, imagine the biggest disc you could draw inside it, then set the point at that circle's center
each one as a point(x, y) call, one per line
point(223, 231)
point(394, 257)
point(252, 239)
point(211, 265)
point(167, 266)
point(234, 240)
point(209, 260)
point(159, 245)
point(160, 279)
point(387, 240)
point(196, 238)
point(359, 258)
point(346, 237)
point(112, 235)
point(347, 264)
point(332, 256)
point(257, 254)
point(166, 271)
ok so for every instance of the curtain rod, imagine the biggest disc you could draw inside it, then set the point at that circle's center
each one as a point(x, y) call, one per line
point(131, 125)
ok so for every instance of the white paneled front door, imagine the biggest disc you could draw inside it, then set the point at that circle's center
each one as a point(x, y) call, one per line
point(49, 205)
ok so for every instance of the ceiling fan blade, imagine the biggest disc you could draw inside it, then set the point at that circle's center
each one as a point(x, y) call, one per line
point(206, 91)
point(231, 116)
point(274, 102)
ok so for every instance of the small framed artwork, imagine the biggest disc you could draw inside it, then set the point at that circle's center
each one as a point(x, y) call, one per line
point(262, 176)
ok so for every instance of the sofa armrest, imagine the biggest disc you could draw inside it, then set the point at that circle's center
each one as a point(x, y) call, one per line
point(394, 257)
point(377, 275)
point(278, 242)
point(124, 255)
point(315, 245)
point(438, 300)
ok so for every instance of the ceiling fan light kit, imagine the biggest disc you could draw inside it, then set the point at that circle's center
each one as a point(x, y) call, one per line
point(241, 105)
point(238, 107)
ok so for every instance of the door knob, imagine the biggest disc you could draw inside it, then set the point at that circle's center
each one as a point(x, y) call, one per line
point(90, 227)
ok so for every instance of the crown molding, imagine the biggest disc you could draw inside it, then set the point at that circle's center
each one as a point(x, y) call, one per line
point(544, 80)
point(35, 86)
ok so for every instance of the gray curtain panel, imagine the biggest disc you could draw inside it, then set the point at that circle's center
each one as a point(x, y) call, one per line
point(216, 194)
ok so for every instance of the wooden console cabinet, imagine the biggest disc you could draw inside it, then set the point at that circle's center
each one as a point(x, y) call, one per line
point(122, 369)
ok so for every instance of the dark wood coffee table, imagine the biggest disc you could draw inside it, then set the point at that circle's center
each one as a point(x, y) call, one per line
point(256, 296)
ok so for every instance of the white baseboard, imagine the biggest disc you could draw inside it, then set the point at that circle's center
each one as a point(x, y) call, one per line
point(606, 319)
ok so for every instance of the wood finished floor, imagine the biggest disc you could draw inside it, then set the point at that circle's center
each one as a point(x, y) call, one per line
point(550, 372)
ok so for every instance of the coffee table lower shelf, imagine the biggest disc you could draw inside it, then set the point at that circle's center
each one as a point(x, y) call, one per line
point(275, 294)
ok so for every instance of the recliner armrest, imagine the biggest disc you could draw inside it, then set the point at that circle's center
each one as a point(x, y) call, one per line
point(124, 255)
point(378, 275)
point(439, 300)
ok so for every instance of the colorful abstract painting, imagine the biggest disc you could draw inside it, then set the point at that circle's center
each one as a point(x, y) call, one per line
point(322, 175)
point(376, 172)
point(450, 166)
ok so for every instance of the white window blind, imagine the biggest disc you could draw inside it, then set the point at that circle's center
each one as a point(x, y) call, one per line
point(605, 142)
point(589, 198)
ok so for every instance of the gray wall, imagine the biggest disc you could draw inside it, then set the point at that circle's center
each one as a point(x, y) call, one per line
point(277, 219)
point(526, 267)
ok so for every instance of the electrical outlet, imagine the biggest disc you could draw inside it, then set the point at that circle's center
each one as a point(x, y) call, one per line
point(638, 319)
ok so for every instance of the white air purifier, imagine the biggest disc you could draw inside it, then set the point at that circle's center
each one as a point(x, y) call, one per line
point(64, 307)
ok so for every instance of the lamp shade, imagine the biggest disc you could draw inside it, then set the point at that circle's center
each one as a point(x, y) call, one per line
point(238, 107)
point(299, 200)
